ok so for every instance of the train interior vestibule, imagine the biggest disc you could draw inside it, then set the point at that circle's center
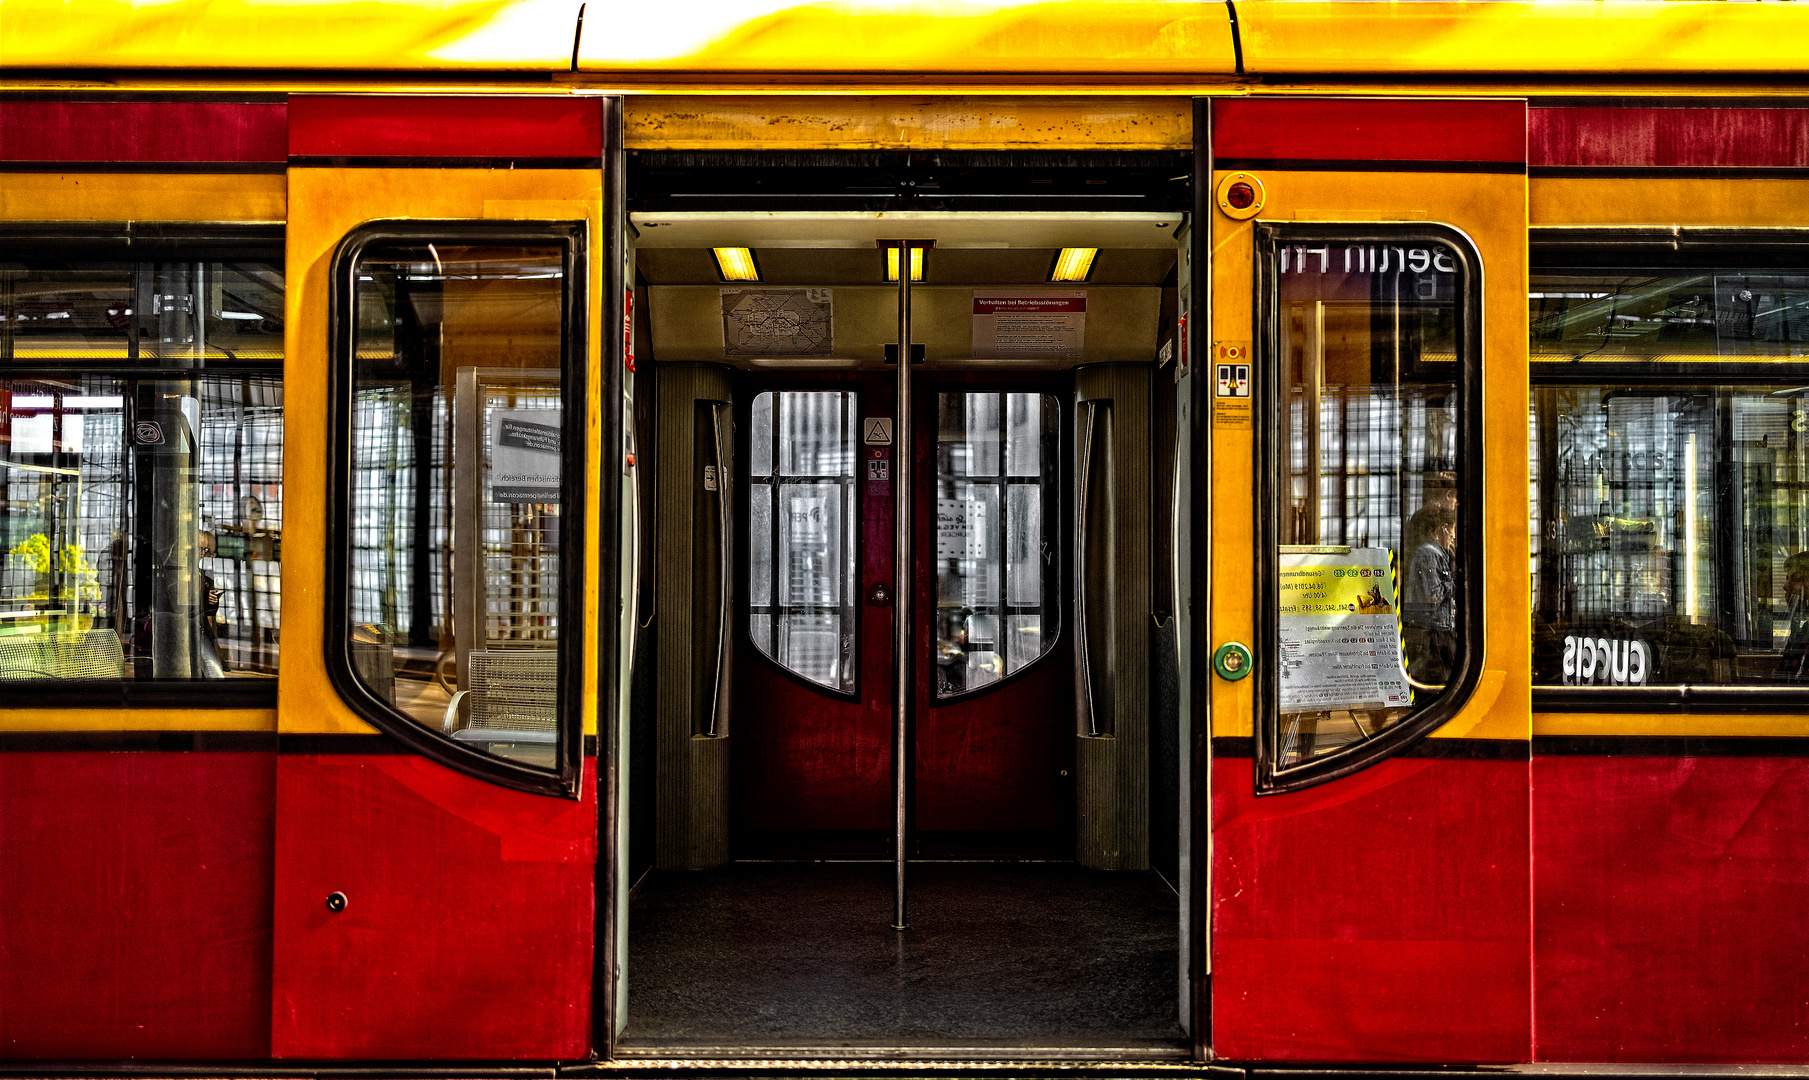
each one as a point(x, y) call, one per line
point(1042, 731)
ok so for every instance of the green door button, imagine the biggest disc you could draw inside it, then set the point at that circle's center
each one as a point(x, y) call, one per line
point(1232, 661)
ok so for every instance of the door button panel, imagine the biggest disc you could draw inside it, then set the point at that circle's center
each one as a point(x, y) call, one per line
point(1232, 661)
point(880, 595)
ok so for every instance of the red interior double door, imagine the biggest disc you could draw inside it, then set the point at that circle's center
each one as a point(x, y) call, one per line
point(993, 697)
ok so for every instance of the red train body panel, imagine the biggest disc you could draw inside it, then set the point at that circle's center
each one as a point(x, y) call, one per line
point(1667, 908)
point(138, 892)
point(1383, 917)
point(495, 888)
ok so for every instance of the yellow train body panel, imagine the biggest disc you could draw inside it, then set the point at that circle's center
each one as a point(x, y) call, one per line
point(330, 204)
point(1487, 208)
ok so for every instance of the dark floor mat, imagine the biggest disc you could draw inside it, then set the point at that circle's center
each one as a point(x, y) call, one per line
point(794, 954)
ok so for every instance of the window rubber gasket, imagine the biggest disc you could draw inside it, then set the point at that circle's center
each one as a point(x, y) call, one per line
point(1665, 250)
point(563, 779)
point(1270, 237)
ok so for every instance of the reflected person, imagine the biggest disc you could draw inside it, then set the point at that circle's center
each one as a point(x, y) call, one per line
point(1429, 600)
point(1793, 666)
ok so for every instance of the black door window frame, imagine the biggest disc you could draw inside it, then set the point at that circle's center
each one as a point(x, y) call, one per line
point(1269, 488)
point(563, 779)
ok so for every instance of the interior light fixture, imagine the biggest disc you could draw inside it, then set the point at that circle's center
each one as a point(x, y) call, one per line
point(736, 264)
point(916, 264)
point(1073, 264)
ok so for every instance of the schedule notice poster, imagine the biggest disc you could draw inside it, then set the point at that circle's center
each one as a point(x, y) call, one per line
point(1340, 635)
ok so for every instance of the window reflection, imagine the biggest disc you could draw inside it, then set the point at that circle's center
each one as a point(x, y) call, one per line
point(144, 549)
point(1672, 530)
point(141, 312)
point(141, 423)
point(1668, 317)
point(1669, 510)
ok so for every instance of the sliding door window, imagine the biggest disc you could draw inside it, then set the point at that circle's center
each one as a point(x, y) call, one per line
point(1374, 493)
point(461, 461)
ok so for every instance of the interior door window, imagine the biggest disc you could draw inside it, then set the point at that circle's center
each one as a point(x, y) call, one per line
point(801, 522)
point(997, 471)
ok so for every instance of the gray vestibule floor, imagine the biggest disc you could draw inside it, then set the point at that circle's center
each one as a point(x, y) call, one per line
point(998, 955)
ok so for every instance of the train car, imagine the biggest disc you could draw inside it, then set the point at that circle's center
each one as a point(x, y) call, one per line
point(562, 539)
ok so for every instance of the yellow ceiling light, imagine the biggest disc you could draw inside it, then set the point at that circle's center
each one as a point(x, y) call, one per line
point(1073, 264)
point(892, 264)
point(736, 264)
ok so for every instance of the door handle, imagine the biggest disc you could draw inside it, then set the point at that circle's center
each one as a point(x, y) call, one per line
point(1092, 688)
point(721, 429)
point(635, 626)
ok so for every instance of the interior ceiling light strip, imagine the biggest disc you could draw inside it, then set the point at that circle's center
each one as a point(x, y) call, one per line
point(892, 264)
point(1073, 264)
point(736, 264)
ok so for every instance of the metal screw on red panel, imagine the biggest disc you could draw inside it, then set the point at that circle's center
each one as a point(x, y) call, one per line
point(336, 902)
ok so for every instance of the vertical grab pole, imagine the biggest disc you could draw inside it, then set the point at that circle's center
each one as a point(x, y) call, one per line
point(902, 553)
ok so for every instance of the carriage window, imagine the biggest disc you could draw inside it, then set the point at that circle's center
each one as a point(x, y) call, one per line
point(456, 468)
point(996, 572)
point(1670, 470)
point(801, 529)
point(141, 424)
point(1369, 442)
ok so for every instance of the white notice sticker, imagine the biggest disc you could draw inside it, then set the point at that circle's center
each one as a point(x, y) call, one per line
point(960, 529)
point(524, 455)
point(1029, 326)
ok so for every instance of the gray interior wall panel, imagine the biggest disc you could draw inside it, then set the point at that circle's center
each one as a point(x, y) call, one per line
point(691, 769)
point(1112, 804)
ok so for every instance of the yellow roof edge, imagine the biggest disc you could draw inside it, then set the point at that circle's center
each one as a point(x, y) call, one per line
point(920, 38)
point(905, 38)
point(1521, 37)
point(291, 35)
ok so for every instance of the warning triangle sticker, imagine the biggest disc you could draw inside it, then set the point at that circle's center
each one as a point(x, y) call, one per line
point(878, 431)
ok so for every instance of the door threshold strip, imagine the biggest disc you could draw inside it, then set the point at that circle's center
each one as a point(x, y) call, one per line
point(953, 1058)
